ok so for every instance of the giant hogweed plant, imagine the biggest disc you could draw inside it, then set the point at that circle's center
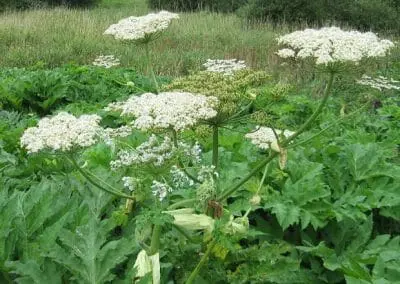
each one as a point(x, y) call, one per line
point(168, 184)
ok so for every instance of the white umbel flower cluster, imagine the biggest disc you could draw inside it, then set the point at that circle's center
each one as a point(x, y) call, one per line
point(379, 83)
point(224, 66)
point(265, 138)
point(151, 152)
point(137, 28)
point(207, 173)
point(129, 183)
point(331, 44)
point(62, 132)
point(106, 61)
point(189, 152)
point(286, 53)
point(180, 178)
point(160, 189)
point(169, 110)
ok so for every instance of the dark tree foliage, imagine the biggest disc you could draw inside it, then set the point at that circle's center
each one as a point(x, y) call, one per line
point(193, 5)
point(29, 4)
point(376, 15)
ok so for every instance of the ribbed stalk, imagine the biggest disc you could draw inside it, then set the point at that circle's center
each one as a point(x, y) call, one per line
point(225, 194)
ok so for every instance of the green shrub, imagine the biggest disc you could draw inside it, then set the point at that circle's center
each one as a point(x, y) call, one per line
point(378, 15)
point(42, 91)
point(193, 5)
point(29, 4)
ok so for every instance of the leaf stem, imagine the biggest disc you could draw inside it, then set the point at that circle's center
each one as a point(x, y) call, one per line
point(305, 141)
point(259, 188)
point(215, 145)
point(181, 203)
point(150, 66)
point(99, 186)
point(234, 187)
point(203, 260)
point(311, 119)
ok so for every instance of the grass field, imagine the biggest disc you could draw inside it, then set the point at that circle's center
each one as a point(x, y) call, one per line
point(60, 36)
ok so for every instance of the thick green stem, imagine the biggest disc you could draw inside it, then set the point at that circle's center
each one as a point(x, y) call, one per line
point(215, 145)
point(316, 112)
point(203, 260)
point(155, 240)
point(225, 194)
point(234, 187)
point(326, 128)
point(182, 203)
point(99, 186)
point(259, 188)
point(150, 67)
point(238, 114)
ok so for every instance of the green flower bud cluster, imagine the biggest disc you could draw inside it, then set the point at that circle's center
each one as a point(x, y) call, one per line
point(205, 192)
point(230, 90)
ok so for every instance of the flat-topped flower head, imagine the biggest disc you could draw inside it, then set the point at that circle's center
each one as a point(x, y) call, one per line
point(380, 83)
point(224, 66)
point(160, 190)
point(169, 110)
point(106, 61)
point(265, 138)
point(331, 44)
point(62, 132)
point(286, 53)
point(139, 28)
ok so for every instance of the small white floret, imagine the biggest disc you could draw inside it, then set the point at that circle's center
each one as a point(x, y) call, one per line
point(224, 66)
point(106, 61)
point(265, 138)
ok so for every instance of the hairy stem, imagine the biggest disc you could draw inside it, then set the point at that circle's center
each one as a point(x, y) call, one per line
point(203, 260)
point(96, 184)
point(150, 66)
point(305, 141)
point(311, 119)
point(155, 240)
point(259, 188)
point(215, 145)
point(182, 203)
point(225, 194)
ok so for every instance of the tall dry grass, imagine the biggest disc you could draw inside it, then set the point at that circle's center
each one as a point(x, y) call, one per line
point(60, 36)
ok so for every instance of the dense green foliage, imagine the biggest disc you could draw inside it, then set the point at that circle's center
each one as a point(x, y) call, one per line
point(378, 15)
point(331, 215)
point(42, 91)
